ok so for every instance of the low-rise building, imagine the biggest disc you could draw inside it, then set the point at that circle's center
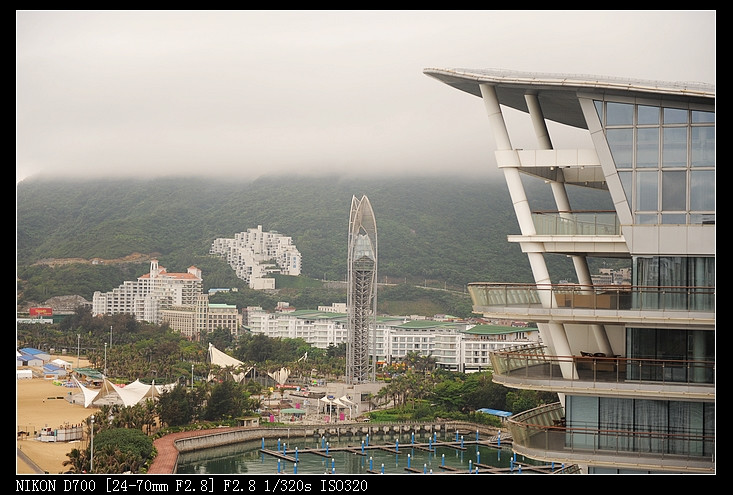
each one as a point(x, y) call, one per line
point(456, 345)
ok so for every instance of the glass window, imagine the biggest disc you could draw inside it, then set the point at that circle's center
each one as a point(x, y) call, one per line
point(646, 219)
point(648, 115)
point(674, 191)
point(675, 116)
point(626, 183)
point(646, 191)
point(699, 117)
point(582, 411)
point(700, 218)
point(621, 142)
point(674, 218)
point(619, 114)
point(702, 190)
point(599, 109)
point(647, 147)
point(615, 415)
point(674, 147)
point(647, 136)
point(703, 146)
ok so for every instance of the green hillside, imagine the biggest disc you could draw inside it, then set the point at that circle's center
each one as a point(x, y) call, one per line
point(439, 232)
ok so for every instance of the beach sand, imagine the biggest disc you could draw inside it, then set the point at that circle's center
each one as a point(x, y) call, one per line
point(37, 406)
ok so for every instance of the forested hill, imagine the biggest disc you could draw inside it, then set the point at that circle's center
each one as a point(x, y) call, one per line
point(440, 229)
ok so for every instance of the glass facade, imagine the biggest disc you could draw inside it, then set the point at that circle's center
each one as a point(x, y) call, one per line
point(640, 425)
point(665, 158)
point(670, 355)
point(674, 282)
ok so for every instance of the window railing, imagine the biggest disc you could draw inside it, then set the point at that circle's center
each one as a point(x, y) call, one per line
point(576, 222)
point(613, 297)
point(533, 362)
point(546, 428)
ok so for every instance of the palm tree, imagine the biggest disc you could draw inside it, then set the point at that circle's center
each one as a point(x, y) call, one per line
point(149, 413)
point(77, 460)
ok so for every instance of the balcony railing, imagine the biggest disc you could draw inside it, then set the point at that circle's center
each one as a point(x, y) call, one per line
point(545, 429)
point(532, 362)
point(597, 297)
point(576, 223)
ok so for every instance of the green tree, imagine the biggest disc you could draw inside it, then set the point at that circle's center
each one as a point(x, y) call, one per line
point(116, 450)
point(522, 400)
point(220, 338)
point(226, 401)
point(174, 407)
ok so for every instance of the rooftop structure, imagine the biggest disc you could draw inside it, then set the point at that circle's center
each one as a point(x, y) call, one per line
point(633, 364)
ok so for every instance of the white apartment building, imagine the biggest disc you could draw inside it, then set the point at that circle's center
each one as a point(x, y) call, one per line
point(145, 297)
point(254, 254)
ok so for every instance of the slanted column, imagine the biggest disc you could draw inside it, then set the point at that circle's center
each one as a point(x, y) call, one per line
point(563, 204)
point(552, 333)
point(516, 188)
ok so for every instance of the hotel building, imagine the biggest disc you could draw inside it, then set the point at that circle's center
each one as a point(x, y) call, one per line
point(194, 321)
point(145, 297)
point(633, 364)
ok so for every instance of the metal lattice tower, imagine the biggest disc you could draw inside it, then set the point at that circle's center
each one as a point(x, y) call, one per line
point(362, 292)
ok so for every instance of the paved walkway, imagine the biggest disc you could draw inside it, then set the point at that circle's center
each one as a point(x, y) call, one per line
point(165, 461)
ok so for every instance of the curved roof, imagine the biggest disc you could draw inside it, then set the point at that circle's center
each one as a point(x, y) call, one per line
point(558, 92)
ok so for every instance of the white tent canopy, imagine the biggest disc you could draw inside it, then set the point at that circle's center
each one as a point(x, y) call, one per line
point(343, 402)
point(127, 396)
point(61, 363)
point(280, 376)
point(223, 360)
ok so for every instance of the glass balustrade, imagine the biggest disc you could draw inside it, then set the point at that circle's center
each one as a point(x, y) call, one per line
point(576, 223)
point(612, 297)
point(532, 362)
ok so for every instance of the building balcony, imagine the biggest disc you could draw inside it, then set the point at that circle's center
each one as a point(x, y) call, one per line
point(544, 434)
point(595, 223)
point(530, 367)
point(669, 306)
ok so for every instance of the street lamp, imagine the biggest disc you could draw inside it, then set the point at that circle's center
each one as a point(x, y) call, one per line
point(105, 359)
point(78, 345)
point(191, 377)
point(91, 462)
point(110, 337)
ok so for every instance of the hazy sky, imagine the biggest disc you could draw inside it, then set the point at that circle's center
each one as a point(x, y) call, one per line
point(246, 93)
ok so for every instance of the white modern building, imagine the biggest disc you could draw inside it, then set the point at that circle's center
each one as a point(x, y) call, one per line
point(254, 255)
point(150, 293)
point(455, 345)
point(633, 365)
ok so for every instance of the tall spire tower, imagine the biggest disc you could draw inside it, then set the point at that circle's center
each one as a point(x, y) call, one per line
point(362, 292)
